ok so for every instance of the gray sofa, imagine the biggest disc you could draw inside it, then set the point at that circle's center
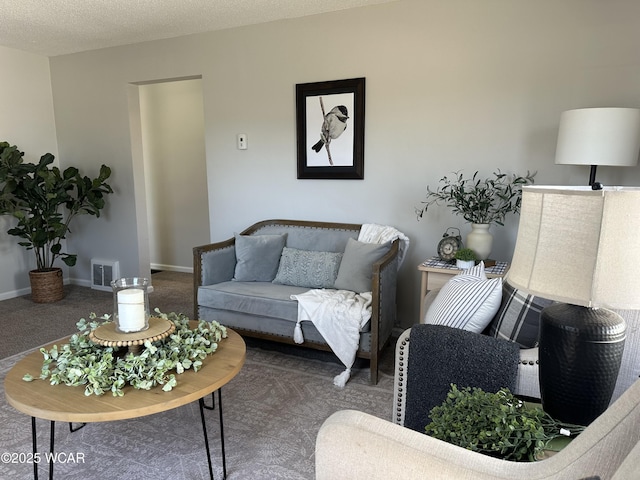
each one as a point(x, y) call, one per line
point(255, 305)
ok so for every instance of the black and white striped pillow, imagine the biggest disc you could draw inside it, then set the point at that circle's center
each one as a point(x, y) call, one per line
point(468, 301)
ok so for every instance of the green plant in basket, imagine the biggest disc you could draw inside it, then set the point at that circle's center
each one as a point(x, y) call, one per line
point(496, 424)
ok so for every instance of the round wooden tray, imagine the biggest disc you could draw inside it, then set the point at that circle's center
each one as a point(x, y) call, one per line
point(106, 334)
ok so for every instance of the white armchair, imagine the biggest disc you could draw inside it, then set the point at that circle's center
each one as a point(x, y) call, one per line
point(353, 445)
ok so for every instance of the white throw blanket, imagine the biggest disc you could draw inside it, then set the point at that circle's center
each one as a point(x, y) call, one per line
point(338, 315)
point(373, 233)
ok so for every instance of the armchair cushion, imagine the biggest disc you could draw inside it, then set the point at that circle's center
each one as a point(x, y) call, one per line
point(258, 257)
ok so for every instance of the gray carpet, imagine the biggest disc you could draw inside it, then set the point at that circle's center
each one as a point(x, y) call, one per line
point(25, 324)
point(272, 412)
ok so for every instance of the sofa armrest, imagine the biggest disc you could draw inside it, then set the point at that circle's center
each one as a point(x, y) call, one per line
point(383, 305)
point(212, 263)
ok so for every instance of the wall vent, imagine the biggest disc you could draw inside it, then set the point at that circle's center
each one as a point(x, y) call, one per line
point(103, 272)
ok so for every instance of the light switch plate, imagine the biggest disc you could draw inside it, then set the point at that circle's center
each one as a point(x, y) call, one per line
point(242, 141)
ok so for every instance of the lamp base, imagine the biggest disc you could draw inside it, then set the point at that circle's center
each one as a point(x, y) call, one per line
point(580, 352)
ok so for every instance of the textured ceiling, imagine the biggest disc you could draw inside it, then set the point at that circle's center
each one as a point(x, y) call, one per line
point(57, 27)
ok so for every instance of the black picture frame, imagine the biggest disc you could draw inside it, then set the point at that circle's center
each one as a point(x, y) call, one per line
point(320, 110)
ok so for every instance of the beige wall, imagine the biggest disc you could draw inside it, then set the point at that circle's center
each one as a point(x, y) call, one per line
point(26, 120)
point(452, 85)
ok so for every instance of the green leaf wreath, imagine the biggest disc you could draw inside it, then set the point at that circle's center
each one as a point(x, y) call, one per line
point(495, 424)
point(101, 369)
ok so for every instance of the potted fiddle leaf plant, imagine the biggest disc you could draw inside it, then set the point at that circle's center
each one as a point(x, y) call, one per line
point(479, 201)
point(44, 200)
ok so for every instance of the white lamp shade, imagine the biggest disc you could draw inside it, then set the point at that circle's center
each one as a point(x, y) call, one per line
point(579, 246)
point(599, 136)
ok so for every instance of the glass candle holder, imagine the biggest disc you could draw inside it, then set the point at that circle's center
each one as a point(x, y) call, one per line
point(131, 304)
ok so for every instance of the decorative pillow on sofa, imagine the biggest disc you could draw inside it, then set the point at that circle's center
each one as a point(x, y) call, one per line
point(468, 301)
point(518, 318)
point(257, 257)
point(356, 268)
point(307, 268)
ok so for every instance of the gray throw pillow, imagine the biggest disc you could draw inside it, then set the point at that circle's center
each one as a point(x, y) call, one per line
point(307, 268)
point(257, 257)
point(356, 267)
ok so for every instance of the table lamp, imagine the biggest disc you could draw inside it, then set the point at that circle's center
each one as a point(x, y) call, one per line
point(580, 247)
point(599, 136)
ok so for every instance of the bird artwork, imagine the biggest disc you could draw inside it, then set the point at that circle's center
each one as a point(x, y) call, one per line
point(334, 123)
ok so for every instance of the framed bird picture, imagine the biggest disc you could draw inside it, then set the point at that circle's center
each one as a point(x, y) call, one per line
point(330, 129)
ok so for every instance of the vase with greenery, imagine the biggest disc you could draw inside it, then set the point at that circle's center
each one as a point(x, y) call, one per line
point(496, 424)
point(44, 200)
point(481, 202)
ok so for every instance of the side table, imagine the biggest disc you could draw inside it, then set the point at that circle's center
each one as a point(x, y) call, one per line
point(436, 272)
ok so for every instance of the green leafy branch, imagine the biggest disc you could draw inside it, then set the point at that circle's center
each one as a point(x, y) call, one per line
point(496, 424)
point(477, 200)
point(101, 369)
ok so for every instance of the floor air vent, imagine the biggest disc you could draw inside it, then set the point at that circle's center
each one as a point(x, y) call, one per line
point(103, 272)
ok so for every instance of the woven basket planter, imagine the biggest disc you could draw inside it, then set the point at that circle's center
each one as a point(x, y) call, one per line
point(46, 285)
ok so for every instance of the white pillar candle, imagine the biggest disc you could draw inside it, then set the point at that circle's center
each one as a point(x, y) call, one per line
point(131, 311)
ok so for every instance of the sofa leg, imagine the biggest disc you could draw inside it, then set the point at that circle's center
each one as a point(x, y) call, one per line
point(373, 370)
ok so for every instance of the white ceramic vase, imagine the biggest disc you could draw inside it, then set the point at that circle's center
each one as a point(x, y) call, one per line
point(480, 240)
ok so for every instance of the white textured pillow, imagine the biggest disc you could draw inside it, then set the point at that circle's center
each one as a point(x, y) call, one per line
point(468, 301)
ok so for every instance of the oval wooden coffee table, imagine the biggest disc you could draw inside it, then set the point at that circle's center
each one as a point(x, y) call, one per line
point(40, 399)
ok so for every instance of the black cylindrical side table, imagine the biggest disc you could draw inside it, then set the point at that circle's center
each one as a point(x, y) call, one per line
point(579, 352)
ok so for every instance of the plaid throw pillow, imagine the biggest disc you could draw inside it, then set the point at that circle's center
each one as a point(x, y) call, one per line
point(518, 318)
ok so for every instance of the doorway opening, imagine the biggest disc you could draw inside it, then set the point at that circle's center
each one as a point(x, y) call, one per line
point(170, 177)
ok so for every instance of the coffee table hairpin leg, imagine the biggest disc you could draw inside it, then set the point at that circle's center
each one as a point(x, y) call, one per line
point(36, 458)
point(204, 430)
point(72, 429)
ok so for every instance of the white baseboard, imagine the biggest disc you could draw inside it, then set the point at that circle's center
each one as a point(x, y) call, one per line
point(23, 291)
point(81, 282)
point(15, 293)
point(171, 268)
